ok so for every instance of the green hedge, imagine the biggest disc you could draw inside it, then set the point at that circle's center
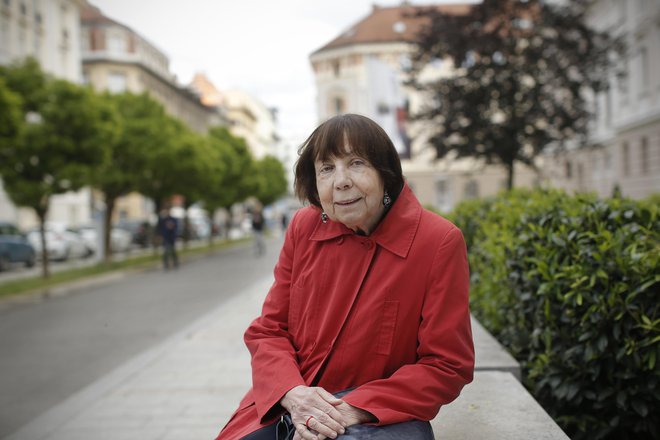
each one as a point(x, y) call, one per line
point(570, 285)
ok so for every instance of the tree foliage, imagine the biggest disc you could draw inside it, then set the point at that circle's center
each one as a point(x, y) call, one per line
point(140, 132)
point(271, 180)
point(239, 180)
point(159, 179)
point(62, 141)
point(11, 120)
point(524, 72)
point(570, 284)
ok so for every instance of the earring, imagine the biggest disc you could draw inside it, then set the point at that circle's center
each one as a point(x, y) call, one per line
point(387, 200)
point(324, 217)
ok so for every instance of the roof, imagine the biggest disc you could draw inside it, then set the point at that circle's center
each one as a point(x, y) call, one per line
point(390, 25)
point(90, 14)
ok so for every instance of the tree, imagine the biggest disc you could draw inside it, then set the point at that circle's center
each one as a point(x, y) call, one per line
point(61, 144)
point(239, 179)
point(271, 180)
point(141, 133)
point(525, 72)
point(159, 179)
point(195, 169)
point(11, 120)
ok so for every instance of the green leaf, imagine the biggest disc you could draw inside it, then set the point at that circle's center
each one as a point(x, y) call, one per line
point(640, 407)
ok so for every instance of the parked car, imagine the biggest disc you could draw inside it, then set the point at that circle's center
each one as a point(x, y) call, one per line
point(141, 231)
point(120, 239)
point(14, 247)
point(61, 243)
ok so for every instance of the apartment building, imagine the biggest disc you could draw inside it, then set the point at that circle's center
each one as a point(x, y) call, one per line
point(49, 31)
point(364, 70)
point(624, 146)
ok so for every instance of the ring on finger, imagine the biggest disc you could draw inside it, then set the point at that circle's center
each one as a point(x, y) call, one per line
point(307, 422)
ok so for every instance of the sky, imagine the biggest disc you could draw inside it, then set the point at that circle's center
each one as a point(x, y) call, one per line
point(259, 46)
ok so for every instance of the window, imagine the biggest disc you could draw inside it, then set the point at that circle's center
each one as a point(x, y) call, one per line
point(568, 170)
point(607, 162)
point(471, 190)
point(644, 69)
point(338, 105)
point(644, 155)
point(116, 82)
point(580, 176)
point(336, 68)
point(116, 43)
point(443, 195)
point(625, 153)
point(608, 108)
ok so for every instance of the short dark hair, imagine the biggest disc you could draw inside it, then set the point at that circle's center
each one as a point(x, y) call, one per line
point(367, 140)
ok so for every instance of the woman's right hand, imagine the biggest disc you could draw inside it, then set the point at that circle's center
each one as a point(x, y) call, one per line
point(303, 402)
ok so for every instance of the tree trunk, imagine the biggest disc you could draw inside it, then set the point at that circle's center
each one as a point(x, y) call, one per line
point(155, 238)
point(186, 226)
point(211, 229)
point(228, 222)
point(107, 229)
point(44, 250)
point(509, 181)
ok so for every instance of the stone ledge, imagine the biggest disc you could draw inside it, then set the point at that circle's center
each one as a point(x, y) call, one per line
point(490, 355)
point(495, 406)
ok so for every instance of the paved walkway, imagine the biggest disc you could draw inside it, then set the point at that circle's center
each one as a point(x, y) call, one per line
point(185, 388)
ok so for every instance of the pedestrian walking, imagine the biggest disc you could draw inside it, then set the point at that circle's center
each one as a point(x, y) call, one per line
point(168, 227)
point(258, 231)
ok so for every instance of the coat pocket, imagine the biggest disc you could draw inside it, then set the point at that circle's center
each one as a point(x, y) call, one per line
point(387, 328)
point(295, 304)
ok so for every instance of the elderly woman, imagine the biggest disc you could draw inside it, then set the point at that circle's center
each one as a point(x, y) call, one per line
point(370, 296)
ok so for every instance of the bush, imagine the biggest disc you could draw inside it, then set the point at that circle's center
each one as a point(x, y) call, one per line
point(570, 285)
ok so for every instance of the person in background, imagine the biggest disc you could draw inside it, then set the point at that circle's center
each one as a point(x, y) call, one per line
point(167, 228)
point(365, 332)
point(258, 230)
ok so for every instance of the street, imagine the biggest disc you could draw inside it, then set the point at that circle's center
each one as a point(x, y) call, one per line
point(56, 347)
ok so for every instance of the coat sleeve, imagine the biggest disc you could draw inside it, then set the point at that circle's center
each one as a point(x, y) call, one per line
point(445, 353)
point(275, 368)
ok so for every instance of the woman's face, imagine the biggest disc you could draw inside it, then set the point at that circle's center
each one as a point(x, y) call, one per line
point(350, 190)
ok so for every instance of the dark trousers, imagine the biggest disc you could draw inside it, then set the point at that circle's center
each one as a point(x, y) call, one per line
point(265, 433)
point(169, 253)
point(413, 430)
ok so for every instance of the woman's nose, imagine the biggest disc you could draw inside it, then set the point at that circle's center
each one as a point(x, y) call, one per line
point(342, 179)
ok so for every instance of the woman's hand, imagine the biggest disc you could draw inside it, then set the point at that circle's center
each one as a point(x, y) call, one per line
point(352, 416)
point(304, 402)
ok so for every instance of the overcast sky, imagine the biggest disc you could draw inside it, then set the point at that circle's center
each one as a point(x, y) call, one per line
point(259, 46)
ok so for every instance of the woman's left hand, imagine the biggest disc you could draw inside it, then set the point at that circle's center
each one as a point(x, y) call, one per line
point(352, 416)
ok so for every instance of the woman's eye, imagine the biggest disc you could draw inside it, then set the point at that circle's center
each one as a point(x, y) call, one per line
point(357, 162)
point(325, 169)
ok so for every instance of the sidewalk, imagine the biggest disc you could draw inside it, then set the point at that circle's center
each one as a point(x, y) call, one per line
point(187, 387)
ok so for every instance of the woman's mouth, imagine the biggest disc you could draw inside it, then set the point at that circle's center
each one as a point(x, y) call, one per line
point(347, 202)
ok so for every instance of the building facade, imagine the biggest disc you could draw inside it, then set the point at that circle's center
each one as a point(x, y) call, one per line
point(49, 31)
point(624, 146)
point(117, 59)
point(246, 116)
point(364, 70)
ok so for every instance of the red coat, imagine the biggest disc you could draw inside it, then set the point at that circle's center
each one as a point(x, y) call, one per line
point(387, 313)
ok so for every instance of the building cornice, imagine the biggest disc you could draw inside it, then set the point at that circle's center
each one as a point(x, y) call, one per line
point(182, 91)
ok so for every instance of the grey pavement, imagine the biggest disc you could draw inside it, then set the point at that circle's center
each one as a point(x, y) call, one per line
point(188, 386)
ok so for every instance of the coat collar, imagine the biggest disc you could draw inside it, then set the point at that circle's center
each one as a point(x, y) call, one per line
point(395, 233)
